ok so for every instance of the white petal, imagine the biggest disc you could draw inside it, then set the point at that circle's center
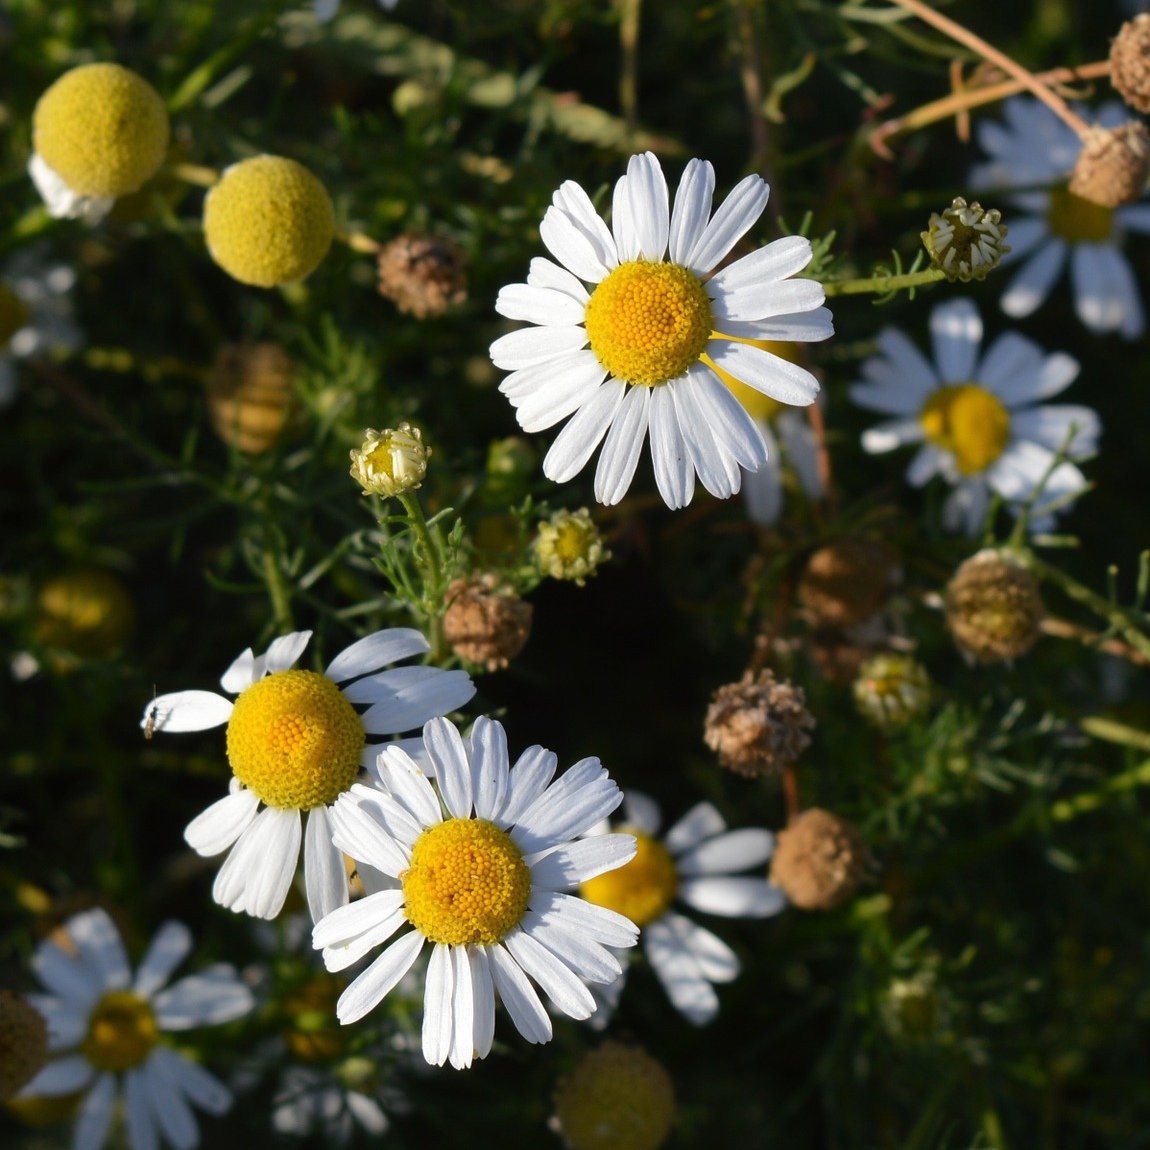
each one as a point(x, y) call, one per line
point(74, 982)
point(620, 454)
point(101, 949)
point(767, 266)
point(462, 1048)
point(736, 216)
point(646, 191)
point(736, 897)
point(356, 832)
point(717, 470)
point(356, 918)
point(573, 200)
point(1052, 425)
point(518, 996)
point(884, 437)
point(527, 780)
point(587, 958)
point(1012, 368)
point(763, 489)
point(61, 1076)
point(243, 672)
point(565, 392)
point(60, 200)
point(452, 765)
point(597, 922)
point(212, 996)
point(213, 830)
point(1105, 291)
point(575, 802)
point(562, 987)
point(489, 764)
point(375, 651)
point(726, 853)
point(716, 960)
point(67, 1022)
point(735, 433)
point(340, 956)
point(256, 875)
point(380, 978)
point(569, 865)
point(692, 209)
point(771, 374)
point(325, 880)
point(956, 333)
point(543, 306)
point(788, 327)
point(95, 1117)
point(409, 786)
point(367, 1112)
point(802, 448)
point(168, 948)
point(901, 366)
point(641, 812)
point(674, 472)
point(576, 443)
point(284, 651)
point(1032, 283)
point(701, 822)
point(142, 1131)
point(535, 345)
point(675, 967)
point(763, 301)
point(926, 464)
point(170, 1109)
point(193, 1081)
point(572, 246)
point(438, 1000)
point(483, 1000)
point(415, 698)
point(545, 274)
point(187, 711)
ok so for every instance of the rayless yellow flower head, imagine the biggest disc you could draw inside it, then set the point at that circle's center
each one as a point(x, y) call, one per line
point(570, 547)
point(891, 689)
point(966, 241)
point(617, 1098)
point(268, 221)
point(99, 132)
point(390, 462)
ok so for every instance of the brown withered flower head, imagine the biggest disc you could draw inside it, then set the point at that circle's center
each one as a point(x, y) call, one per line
point(1130, 63)
point(422, 275)
point(1113, 165)
point(847, 581)
point(486, 622)
point(819, 860)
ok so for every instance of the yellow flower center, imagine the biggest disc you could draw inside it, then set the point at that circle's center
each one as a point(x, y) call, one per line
point(121, 1032)
point(295, 740)
point(467, 884)
point(1078, 220)
point(13, 314)
point(313, 1035)
point(642, 889)
point(969, 422)
point(617, 1098)
point(648, 322)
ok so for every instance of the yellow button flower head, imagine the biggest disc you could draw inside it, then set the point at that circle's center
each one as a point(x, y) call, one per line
point(269, 221)
point(99, 132)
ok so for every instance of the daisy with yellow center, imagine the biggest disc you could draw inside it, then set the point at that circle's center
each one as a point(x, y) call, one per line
point(1033, 148)
point(480, 862)
point(296, 742)
point(696, 863)
point(977, 418)
point(637, 353)
point(107, 1029)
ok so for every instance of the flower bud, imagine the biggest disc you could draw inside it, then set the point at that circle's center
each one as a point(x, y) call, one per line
point(568, 546)
point(819, 860)
point(892, 689)
point(390, 462)
point(966, 241)
point(250, 395)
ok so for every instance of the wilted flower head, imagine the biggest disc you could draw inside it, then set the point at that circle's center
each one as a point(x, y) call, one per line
point(569, 546)
point(390, 462)
point(758, 725)
point(847, 581)
point(1130, 63)
point(1113, 165)
point(486, 621)
point(422, 275)
point(23, 1043)
point(994, 607)
point(819, 860)
point(617, 1098)
point(966, 241)
point(268, 221)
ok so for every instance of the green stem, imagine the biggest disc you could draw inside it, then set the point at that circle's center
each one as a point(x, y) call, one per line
point(1124, 621)
point(883, 284)
point(278, 590)
point(431, 571)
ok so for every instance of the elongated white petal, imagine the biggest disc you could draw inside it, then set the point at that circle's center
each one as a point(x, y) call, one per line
point(452, 767)
point(543, 306)
point(771, 374)
point(143, 1133)
point(186, 711)
point(380, 978)
point(193, 1081)
point(169, 947)
point(764, 301)
point(575, 802)
point(735, 896)
point(215, 829)
point(325, 880)
point(771, 264)
point(571, 246)
point(67, 1023)
point(726, 853)
point(674, 473)
point(692, 209)
point(409, 786)
point(956, 332)
point(284, 651)
point(70, 980)
point(438, 997)
point(737, 214)
point(559, 983)
point(597, 922)
point(207, 998)
point(734, 431)
point(535, 345)
point(462, 1048)
point(360, 835)
point(646, 192)
point(340, 957)
point(701, 822)
point(545, 274)
point(795, 327)
point(690, 993)
point(242, 672)
point(717, 470)
point(174, 1117)
point(416, 698)
point(576, 443)
point(489, 767)
point(61, 1076)
point(100, 947)
point(375, 651)
point(255, 877)
point(1032, 283)
point(620, 454)
point(575, 385)
point(355, 918)
point(95, 1117)
point(587, 958)
point(571, 199)
point(576, 862)
point(483, 1000)
point(519, 996)
point(527, 780)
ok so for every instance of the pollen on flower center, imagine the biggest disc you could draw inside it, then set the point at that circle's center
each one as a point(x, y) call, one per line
point(295, 740)
point(467, 884)
point(648, 322)
point(13, 314)
point(121, 1032)
point(642, 889)
point(1078, 220)
point(968, 421)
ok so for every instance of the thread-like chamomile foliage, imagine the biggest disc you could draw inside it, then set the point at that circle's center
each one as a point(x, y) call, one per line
point(102, 129)
point(268, 221)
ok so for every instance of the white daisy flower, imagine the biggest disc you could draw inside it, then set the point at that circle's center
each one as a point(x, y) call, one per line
point(35, 314)
point(978, 418)
point(108, 1028)
point(295, 743)
point(1035, 148)
point(636, 354)
point(482, 859)
point(315, 1100)
point(696, 862)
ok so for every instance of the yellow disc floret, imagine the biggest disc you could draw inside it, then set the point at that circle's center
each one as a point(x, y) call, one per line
point(295, 740)
point(642, 889)
point(648, 322)
point(1077, 219)
point(467, 884)
point(268, 221)
point(617, 1098)
point(968, 421)
point(102, 129)
point(121, 1032)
